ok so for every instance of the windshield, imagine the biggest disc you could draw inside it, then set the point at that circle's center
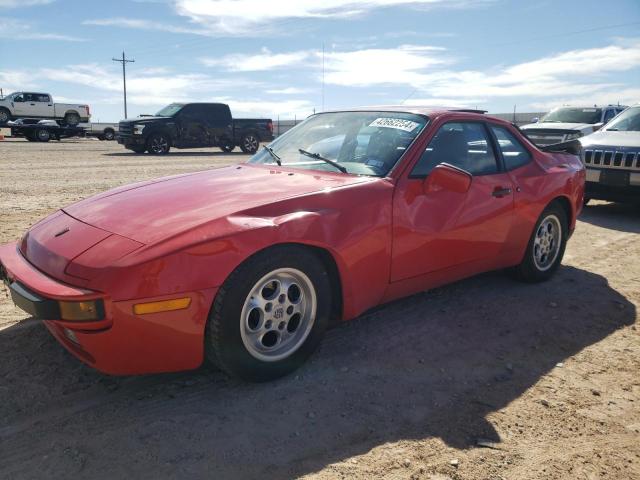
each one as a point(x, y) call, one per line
point(363, 143)
point(573, 115)
point(627, 121)
point(170, 110)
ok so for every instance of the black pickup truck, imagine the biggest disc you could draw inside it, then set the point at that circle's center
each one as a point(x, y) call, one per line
point(194, 125)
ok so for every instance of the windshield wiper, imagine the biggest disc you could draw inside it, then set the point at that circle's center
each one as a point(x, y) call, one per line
point(274, 155)
point(320, 157)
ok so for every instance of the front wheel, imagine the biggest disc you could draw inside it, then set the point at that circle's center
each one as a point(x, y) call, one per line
point(546, 246)
point(249, 143)
point(158, 144)
point(4, 116)
point(270, 314)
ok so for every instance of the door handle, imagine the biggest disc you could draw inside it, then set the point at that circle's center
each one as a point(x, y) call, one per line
point(501, 192)
point(32, 104)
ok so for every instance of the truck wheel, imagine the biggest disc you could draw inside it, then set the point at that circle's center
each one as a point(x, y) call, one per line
point(158, 144)
point(227, 147)
point(249, 143)
point(43, 135)
point(109, 134)
point(5, 115)
point(72, 119)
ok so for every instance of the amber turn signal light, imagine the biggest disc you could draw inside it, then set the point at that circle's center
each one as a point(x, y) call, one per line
point(162, 306)
point(81, 311)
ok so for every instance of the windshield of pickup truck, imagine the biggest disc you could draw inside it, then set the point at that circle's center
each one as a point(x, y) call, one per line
point(170, 110)
point(362, 143)
point(627, 121)
point(573, 115)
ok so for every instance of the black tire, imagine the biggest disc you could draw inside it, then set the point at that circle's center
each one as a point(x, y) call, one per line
point(249, 143)
point(72, 119)
point(5, 116)
point(42, 135)
point(529, 269)
point(108, 134)
point(227, 147)
point(158, 143)
point(224, 345)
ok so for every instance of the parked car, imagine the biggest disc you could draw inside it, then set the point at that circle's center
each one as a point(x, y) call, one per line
point(194, 125)
point(568, 123)
point(102, 131)
point(612, 158)
point(35, 130)
point(41, 106)
point(247, 265)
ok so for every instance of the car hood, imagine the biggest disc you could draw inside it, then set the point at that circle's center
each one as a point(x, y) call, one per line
point(612, 139)
point(152, 211)
point(558, 126)
point(144, 119)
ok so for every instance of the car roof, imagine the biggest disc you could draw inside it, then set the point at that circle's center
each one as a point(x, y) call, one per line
point(429, 111)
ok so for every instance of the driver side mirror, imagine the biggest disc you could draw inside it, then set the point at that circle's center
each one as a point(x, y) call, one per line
point(447, 177)
point(597, 126)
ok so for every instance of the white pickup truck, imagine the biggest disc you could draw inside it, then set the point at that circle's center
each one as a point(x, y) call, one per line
point(40, 105)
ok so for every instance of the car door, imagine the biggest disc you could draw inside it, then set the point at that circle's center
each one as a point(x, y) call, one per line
point(43, 105)
point(192, 128)
point(434, 230)
point(19, 105)
point(218, 123)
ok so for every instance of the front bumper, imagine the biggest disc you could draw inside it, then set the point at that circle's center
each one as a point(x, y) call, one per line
point(601, 184)
point(131, 140)
point(121, 343)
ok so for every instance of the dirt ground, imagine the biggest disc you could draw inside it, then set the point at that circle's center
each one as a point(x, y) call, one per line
point(547, 376)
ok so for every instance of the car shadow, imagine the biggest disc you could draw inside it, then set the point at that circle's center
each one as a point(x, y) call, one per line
point(173, 154)
point(432, 365)
point(624, 217)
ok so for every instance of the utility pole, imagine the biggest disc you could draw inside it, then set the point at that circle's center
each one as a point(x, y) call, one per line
point(323, 76)
point(124, 61)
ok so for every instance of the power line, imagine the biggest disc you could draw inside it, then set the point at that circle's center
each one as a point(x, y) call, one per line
point(124, 62)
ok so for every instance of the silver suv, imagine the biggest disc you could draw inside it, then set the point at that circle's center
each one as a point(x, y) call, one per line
point(612, 159)
point(567, 123)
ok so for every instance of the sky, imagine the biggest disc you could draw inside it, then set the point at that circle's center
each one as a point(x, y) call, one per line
point(288, 59)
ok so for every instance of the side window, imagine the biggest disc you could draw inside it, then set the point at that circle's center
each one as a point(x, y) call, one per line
point(513, 152)
point(42, 97)
point(216, 115)
point(19, 98)
point(462, 144)
point(29, 97)
point(609, 114)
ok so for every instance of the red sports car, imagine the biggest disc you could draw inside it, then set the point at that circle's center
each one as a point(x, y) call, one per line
point(246, 266)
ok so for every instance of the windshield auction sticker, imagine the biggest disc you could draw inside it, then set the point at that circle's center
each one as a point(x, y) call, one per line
point(397, 123)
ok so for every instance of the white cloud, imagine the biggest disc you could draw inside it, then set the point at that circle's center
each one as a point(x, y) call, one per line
point(286, 91)
point(23, 3)
point(376, 66)
point(18, 29)
point(142, 24)
point(241, 17)
point(266, 60)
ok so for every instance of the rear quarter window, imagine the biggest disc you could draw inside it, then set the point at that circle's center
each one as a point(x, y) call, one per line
point(514, 153)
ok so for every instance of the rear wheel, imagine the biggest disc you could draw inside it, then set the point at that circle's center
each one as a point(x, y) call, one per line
point(546, 246)
point(42, 135)
point(249, 143)
point(269, 315)
point(72, 119)
point(158, 144)
point(109, 134)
